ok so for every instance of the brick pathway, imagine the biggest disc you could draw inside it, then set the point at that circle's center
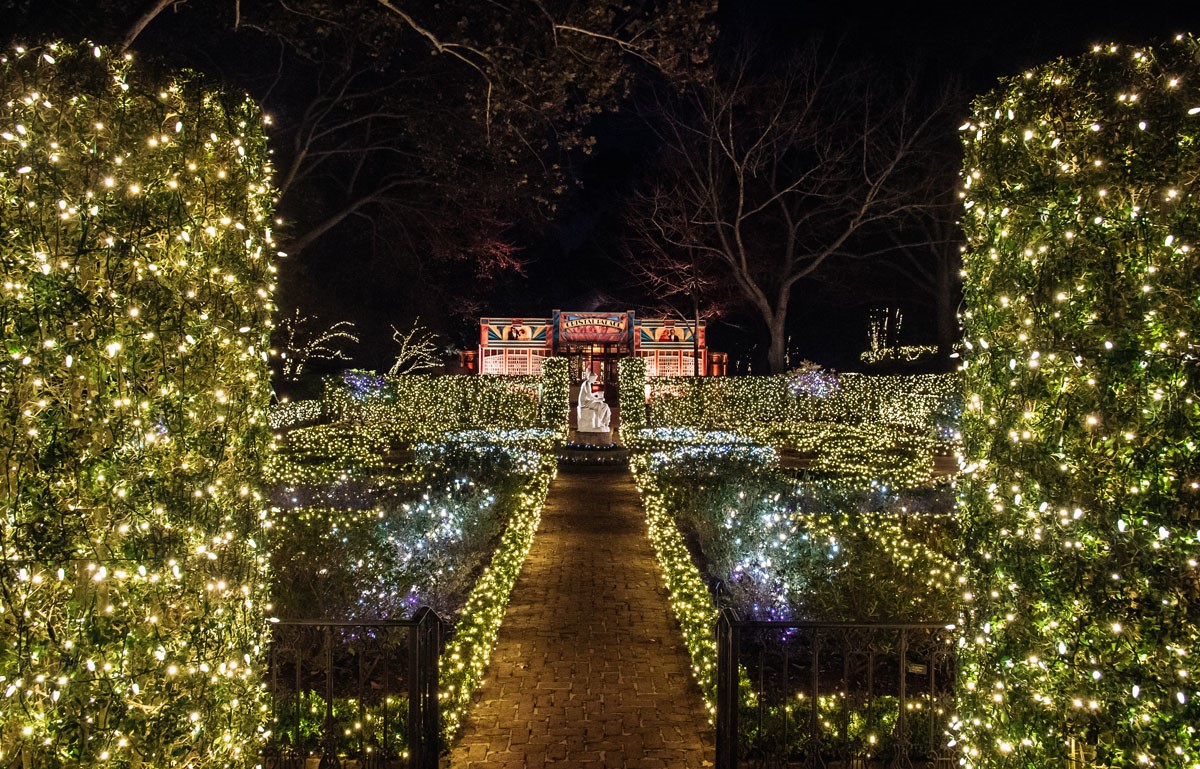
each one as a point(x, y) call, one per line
point(590, 669)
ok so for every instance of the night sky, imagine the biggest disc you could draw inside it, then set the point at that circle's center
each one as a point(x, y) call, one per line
point(575, 261)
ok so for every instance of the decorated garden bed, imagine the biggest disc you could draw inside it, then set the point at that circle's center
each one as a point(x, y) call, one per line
point(734, 530)
point(358, 537)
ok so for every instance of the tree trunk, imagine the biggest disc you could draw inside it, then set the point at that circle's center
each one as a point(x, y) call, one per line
point(777, 353)
point(947, 314)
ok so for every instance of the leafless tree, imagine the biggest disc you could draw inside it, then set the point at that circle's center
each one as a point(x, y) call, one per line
point(680, 281)
point(768, 172)
point(301, 341)
point(417, 350)
point(411, 140)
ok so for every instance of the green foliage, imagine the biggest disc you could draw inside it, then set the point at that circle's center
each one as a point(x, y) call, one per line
point(1080, 522)
point(377, 541)
point(631, 384)
point(553, 411)
point(465, 659)
point(424, 406)
point(913, 403)
point(862, 454)
point(815, 550)
point(135, 306)
point(691, 600)
point(359, 722)
point(285, 415)
point(359, 537)
point(720, 514)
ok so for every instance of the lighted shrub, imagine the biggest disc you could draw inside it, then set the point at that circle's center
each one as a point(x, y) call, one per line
point(1083, 603)
point(135, 306)
point(358, 536)
point(782, 548)
point(424, 406)
point(556, 395)
point(631, 384)
point(917, 403)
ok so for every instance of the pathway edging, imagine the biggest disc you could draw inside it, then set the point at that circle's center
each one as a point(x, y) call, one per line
point(590, 668)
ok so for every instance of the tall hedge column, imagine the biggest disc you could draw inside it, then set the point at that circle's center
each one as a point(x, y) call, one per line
point(1081, 512)
point(631, 378)
point(135, 308)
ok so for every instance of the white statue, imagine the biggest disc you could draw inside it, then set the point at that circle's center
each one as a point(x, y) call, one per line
point(593, 413)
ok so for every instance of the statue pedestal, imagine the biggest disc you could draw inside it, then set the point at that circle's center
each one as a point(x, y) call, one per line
point(587, 421)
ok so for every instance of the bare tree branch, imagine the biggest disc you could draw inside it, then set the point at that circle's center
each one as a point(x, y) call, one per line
point(770, 173)
point(143, 21)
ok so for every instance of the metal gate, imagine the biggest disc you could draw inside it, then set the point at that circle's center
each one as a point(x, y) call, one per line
point(361, 691)
point(808, 694)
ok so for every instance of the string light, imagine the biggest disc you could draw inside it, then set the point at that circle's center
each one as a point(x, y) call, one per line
point(831, 550)
point(415, 407)
point(383, 540)
point(914, 403)
point(899, 354)
point(1081, 614)
point(137, 295)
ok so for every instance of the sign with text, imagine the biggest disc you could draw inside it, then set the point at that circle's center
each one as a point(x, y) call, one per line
point(593, 327)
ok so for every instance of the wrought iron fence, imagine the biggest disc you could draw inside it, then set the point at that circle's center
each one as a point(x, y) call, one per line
point(355, 694)
point(833, 694)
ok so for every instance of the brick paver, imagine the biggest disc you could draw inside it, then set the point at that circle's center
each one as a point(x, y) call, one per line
point(590, 669)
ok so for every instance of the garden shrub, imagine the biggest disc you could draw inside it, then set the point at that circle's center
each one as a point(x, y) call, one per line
point(135, 306)
point(414, 407)
point(916, 403)
point(1080, 508)
point(556, 396)
point(631, 381)
point(358, 537)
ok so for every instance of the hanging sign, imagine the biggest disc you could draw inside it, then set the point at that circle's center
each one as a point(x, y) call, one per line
point(593, 327)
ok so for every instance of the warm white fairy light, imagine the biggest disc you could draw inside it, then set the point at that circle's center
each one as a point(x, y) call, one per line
point(422, 406)
point(407, 536)
point(135, 382)
point(784, 549)
point(1080, 185)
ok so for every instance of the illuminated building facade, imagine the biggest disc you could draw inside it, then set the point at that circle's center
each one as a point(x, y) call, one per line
point(594, 341)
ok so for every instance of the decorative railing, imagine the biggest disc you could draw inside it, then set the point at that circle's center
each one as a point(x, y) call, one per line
point(833, 694)
point(361, 694)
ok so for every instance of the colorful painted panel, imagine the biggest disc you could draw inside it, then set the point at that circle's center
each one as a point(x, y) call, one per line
point(659, 332)
point(514, 332)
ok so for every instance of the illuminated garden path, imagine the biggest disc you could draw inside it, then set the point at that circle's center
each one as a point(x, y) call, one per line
point(590, 669)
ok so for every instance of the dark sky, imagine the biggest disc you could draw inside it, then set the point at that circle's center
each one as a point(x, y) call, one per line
point(574, 261)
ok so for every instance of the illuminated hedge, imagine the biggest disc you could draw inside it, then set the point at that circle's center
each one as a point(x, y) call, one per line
point(135, 306)
point(553, 411)
point(914, 403)
point(465, 659)
point(690, 598)
point(358, 537)
point(631, 388)
point(415, 407)
point(1081, 528)
point(292, 413)
point(782, 549)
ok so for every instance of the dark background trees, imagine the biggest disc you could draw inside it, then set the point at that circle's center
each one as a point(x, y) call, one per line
point(472, 157)
point(413, 144)
point(777, 166)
